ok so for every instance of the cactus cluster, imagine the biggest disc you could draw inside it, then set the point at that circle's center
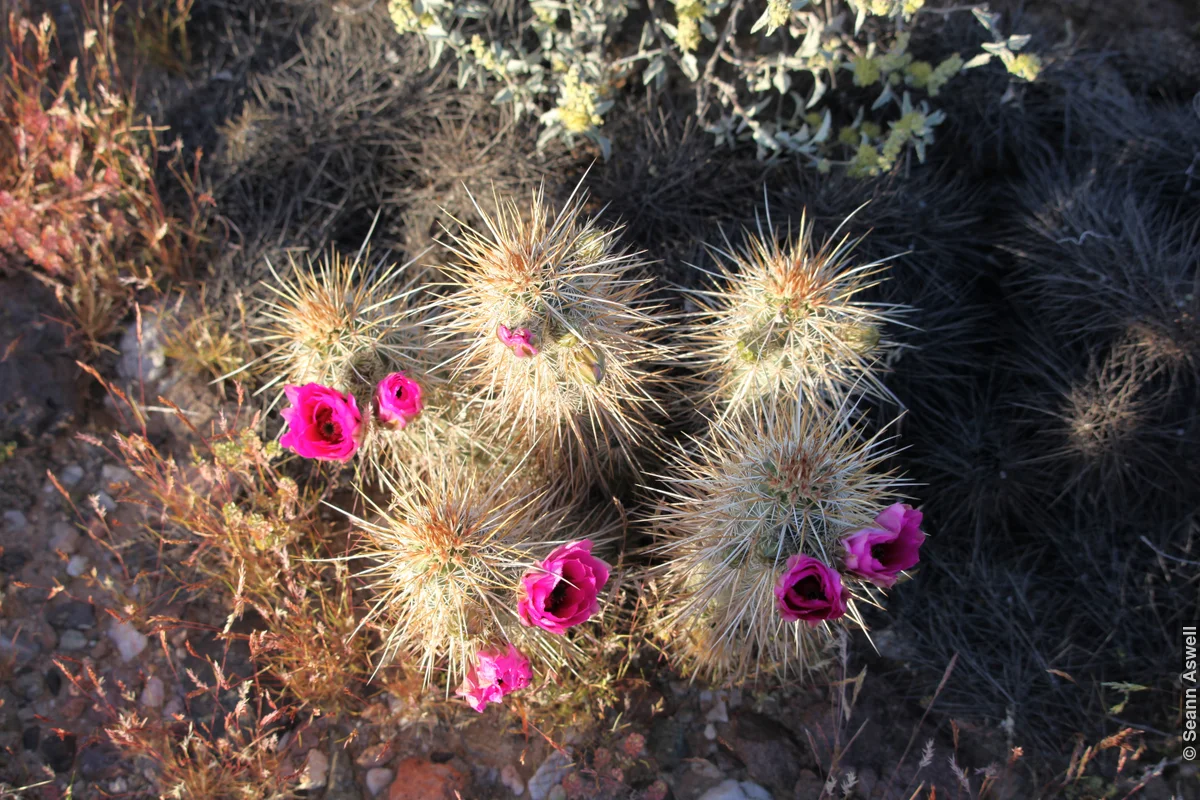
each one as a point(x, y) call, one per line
point(477, 411)
point(490, 403)
point(785, 477)
point(791, 317)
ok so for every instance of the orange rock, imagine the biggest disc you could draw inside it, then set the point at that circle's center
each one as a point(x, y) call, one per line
point(418, 779)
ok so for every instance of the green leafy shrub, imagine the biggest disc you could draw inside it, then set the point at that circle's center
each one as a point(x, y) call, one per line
point(833, 83)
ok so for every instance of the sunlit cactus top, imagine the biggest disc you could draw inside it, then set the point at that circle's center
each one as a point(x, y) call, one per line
point(791, 317)
point(555, 328)
point(340, 323)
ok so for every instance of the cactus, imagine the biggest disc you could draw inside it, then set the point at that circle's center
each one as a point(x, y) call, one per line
point(790, 317)
point(555, 334)
point(735, 508)
point(342, 324)
point(446, 559)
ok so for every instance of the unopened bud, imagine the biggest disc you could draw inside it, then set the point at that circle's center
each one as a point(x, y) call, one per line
point(589, 364)
point(862, 338)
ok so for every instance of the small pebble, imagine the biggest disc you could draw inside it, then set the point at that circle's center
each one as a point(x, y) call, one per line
point(718, 713)
point(15, 520)
point(65, 537)
point(71, 475)
point(72, 614)
point(732, 790)
point(28, 684)
point(512, 779)
point(129, 642)
point(375, 756)
point(152, 694)
point(77, 566)
point(378, 779)
point(710, 732)
point(549, 774)
point(106, 502)
point(72, 640)
point(113, 473)
point(316, 769)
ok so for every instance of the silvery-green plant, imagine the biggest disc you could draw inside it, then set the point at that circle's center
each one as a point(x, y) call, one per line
point(765, 73)
point(566, 80)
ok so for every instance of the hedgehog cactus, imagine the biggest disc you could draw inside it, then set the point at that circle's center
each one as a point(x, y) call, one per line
point(450, 560)
point(753, 526)
point(338, 324)
point(791, 317)
point(554, 333)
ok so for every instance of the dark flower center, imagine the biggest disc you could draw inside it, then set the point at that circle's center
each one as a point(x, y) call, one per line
point(400, 392)
point(557, 597)
point(882, 552)
point(809, 588)
point(330, 430)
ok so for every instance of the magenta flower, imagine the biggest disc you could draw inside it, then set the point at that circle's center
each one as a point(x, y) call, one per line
point(322, 423)
point(809, 590)
point(519, 339)
point(880, 554)
point(494, 675)
point(397, 401)
point(563, 590)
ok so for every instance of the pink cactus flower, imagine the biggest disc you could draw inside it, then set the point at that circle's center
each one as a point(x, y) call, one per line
point(563, 590)
point(520, 340)
point(397, 401)
point(809, 590)
point(880, 554)
point(322, 423)
point(495, 675)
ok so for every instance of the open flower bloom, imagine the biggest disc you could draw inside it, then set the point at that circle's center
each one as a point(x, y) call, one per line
point(397, 401)
point(322, 423)
point(494, 675)
point(809, 590)
point(563, 590)
point(520, 340)
point(880, 554)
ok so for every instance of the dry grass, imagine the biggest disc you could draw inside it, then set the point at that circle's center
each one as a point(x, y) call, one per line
point(245, 534)
point(80, 206)
point(236, 759)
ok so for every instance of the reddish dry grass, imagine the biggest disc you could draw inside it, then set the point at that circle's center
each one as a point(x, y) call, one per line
point(79, 207)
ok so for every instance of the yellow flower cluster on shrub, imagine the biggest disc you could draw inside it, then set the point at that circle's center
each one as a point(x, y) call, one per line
point(577, 103)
